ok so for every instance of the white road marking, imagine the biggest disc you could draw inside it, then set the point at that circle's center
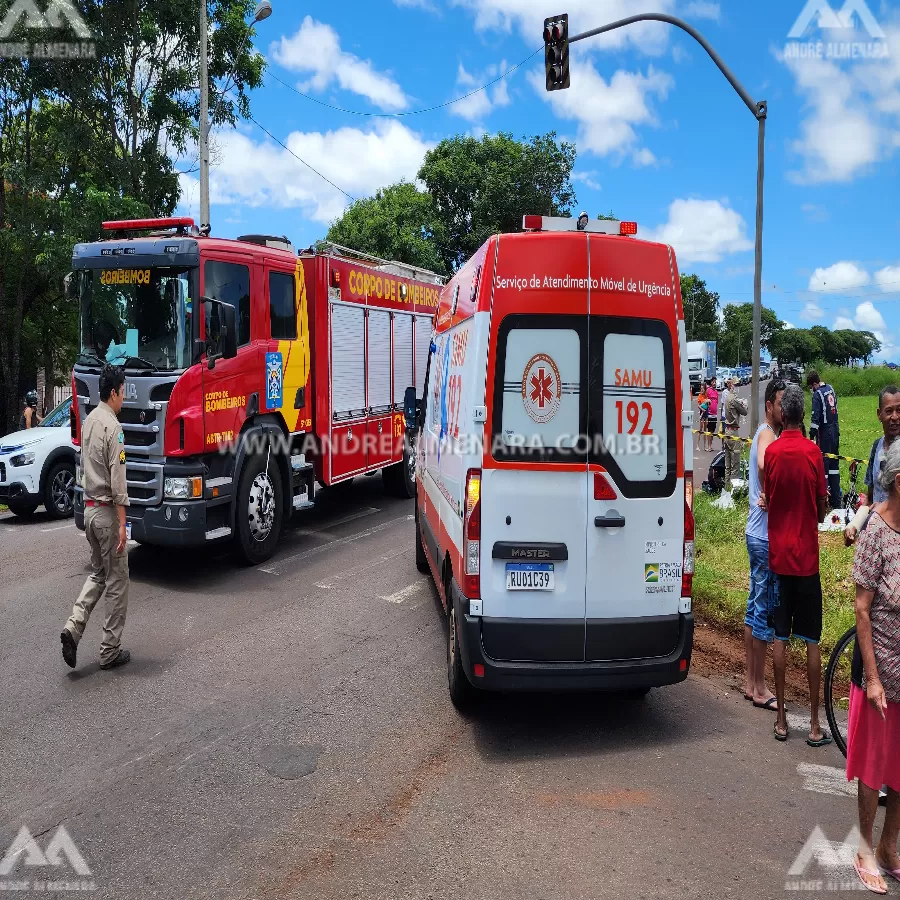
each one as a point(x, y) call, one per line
point(826, 780)
point(313, 551)
point(329, 583)
point(408, 591)
point(58, 527)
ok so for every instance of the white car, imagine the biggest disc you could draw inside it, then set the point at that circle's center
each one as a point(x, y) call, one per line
point(37, 466)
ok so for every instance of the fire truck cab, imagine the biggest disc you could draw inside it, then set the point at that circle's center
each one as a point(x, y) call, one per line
point(555, 493)
point(252, 373)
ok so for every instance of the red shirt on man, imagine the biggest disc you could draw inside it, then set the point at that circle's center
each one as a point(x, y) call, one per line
point(794, 480)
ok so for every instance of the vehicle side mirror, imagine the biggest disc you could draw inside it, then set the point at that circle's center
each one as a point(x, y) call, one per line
point(410, 408)
point(229, 334)
point(221, 330)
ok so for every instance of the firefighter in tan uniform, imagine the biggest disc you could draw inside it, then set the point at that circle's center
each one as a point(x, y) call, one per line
point(105, 499)
point(735, 407)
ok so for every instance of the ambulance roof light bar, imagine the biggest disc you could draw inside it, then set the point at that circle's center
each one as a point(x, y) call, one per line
point(593, 226)
point(179, 222)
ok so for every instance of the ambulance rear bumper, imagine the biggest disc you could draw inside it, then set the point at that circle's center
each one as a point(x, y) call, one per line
point(606, 675)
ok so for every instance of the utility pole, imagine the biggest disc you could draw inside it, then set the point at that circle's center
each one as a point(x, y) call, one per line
point(204, 121)
point(760, 111)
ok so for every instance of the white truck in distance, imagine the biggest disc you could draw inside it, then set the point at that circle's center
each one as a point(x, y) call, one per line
point(701, 362)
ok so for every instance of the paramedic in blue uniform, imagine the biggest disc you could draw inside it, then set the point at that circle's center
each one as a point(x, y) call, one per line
point(824, 430)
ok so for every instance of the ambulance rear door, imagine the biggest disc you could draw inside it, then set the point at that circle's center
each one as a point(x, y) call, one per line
point(635, 484)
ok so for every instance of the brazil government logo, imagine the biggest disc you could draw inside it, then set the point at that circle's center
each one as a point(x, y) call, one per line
point(273, 380)
point(651, 573)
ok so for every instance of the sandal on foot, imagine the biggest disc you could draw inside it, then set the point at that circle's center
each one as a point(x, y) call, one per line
point(771, 704)
point(778, 735)
point(861, 873)
point(823, 741)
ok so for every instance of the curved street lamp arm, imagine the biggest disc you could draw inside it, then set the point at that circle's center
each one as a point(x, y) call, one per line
point(758, 109)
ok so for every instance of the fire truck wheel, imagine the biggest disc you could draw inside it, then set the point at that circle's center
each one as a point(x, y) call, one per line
point(421, 558)
point(260, 510)
point(400, 479)
point(461, 691)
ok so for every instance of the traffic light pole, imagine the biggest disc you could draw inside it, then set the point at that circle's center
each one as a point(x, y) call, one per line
point(760, 112)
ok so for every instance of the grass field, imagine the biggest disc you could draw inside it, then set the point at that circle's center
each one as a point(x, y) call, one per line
point(722, 572)
point(862, 382)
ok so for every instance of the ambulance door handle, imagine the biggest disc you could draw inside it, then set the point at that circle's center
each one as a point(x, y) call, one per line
point(614, 520)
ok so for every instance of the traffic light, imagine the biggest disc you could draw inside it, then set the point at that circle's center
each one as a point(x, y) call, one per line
point(556, 52)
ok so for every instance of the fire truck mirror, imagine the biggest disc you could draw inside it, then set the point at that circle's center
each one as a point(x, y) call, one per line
point(221, 330)
point(410, 408)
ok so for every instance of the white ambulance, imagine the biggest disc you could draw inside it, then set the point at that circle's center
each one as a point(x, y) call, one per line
point(554, 492)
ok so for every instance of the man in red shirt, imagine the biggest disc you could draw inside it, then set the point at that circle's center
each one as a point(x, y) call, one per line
point(796, 496)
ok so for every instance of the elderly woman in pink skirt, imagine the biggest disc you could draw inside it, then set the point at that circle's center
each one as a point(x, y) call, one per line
point(873, 751)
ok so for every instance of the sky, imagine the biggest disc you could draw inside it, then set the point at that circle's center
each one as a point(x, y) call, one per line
point(662, 137)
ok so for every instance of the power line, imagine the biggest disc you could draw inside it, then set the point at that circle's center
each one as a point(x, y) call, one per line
point(411, 112)
point(300, 159)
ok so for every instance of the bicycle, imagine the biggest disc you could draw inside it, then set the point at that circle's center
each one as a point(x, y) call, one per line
point(837, 687)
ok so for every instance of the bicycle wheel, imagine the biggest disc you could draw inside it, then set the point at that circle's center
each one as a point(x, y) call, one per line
point(837, 688)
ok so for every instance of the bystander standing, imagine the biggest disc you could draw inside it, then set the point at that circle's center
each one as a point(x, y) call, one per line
point(712, 424)
point(825, 431)
point(763, 596)
point(873, 734)
point(796, 497)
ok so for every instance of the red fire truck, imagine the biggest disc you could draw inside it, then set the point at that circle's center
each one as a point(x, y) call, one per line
point(252, 372)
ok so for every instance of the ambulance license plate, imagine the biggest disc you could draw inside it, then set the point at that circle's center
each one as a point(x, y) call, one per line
point(529, 576)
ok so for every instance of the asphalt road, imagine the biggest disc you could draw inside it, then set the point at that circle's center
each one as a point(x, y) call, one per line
point(286, 731)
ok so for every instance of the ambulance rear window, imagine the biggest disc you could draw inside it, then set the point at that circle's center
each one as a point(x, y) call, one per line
point(539, 410)
point(632, 404)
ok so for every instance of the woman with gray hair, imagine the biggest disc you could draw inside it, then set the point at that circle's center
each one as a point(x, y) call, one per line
point(873, 736)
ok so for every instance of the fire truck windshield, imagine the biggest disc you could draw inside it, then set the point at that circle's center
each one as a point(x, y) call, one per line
point(140, 318)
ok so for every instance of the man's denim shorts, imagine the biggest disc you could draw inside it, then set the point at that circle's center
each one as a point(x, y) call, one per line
point(763, 597)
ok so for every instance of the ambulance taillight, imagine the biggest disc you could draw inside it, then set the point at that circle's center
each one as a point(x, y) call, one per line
point(687, 571)
point(471, 583)
point(628, 228)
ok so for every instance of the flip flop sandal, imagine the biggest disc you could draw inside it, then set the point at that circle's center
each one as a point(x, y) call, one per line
point(892, 873)
point(860, 872)
point(823, 741)
point(778, 735)
point(770, 704)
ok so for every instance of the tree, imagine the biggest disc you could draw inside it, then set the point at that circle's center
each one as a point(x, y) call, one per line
point(398, 223)
point(480, 187)
point(736, 337)
point(86, 140)
point(701, 307)
point(795, 344)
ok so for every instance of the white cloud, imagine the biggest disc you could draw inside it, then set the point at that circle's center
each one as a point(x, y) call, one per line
point(588, 179)
point(787, 324)
point(868, 318)
point(702, 9)
point(812, 312)
point(477, 106)
point(608, 112)
point(854, 115)
point(702, 231)
point(839, 277)
point(264, 174)
point(842, 323)
point(316, 49)
point(527, 16)
point(888, 278)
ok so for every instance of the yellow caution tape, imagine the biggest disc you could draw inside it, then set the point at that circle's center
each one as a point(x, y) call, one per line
point(723, 435)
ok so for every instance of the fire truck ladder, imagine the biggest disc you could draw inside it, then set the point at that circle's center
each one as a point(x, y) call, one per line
point(402, 270)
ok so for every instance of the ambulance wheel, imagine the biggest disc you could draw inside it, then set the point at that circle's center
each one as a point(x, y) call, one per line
point(260, 510)
point(421, 558)
point(461, 691)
